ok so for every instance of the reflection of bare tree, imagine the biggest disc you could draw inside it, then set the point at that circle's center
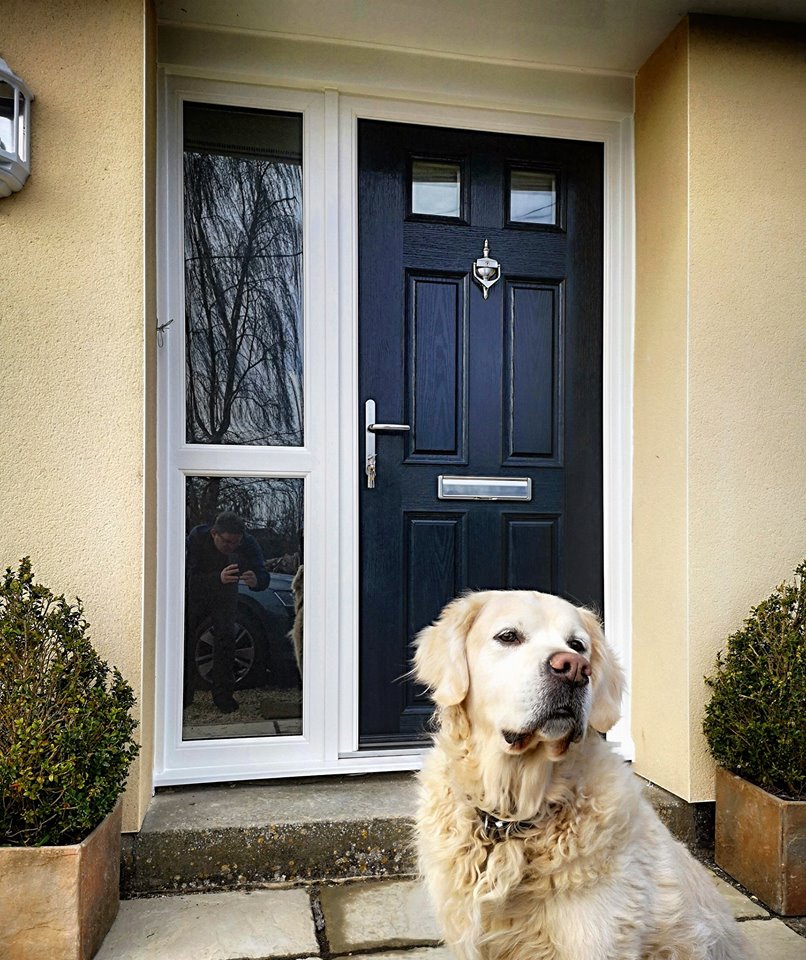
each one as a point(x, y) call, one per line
point(272, 508)
point(243, 265)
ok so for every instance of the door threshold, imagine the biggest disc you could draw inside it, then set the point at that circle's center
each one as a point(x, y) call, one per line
point(416, 753)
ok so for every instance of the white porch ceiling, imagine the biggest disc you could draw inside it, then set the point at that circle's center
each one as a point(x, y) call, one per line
point(591, 35)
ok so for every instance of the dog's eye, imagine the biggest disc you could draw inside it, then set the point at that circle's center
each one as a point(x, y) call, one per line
point(576, 644)
point(508, 637)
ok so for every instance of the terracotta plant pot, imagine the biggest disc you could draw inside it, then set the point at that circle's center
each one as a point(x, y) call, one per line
point(761, 842)
point(59, 902)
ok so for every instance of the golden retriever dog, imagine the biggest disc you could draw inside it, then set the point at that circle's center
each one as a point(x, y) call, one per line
point(295, 634)
point(533, 836)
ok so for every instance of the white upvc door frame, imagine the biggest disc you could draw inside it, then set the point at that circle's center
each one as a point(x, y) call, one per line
point(329, 459)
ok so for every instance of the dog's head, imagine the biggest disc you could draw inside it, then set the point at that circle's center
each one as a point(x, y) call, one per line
point(528, 668)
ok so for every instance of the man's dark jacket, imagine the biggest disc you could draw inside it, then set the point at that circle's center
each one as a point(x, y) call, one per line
point(204, 562)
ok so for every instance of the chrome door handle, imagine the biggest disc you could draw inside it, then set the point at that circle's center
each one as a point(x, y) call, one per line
point(371, 428)
point(390, 427)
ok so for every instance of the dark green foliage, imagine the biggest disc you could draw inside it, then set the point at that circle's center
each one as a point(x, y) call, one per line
point(755, 723)
point(65, 727)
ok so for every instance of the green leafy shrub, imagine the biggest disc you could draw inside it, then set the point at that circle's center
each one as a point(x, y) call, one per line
point(65, 727)
point(755, 723)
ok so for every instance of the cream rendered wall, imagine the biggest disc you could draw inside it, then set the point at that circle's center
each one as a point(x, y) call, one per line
point(720, 448)
point(660, 641)
point(73, 301)
point(747, 317)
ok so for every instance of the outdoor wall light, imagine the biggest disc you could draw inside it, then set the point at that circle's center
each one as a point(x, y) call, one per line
point(15, 131)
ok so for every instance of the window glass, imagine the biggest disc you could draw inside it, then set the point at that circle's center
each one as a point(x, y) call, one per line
point(532, 197)
point(243, 636)
point(436, 188)
point(11, 139)
point(243, 276)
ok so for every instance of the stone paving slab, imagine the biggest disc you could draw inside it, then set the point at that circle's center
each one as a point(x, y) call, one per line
point(370, 918)
point(423, 953)
point(743, 907)
point(774, 940)
point(370, 915)
point(213, 926)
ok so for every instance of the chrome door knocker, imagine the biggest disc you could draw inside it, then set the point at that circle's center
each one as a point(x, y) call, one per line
point(486, 271)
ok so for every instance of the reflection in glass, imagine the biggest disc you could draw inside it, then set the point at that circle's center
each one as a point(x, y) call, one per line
point(243, 276)
point(533, 197)
point(243, 607)
point(12, 118)
point(435, 188)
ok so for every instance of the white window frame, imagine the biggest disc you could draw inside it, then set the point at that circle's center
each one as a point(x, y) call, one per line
point(184, 761)
point(329, 458)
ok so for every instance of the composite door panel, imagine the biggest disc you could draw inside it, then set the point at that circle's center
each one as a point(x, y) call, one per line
point(508, 386)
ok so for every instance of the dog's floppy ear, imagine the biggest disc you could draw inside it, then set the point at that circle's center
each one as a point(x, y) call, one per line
point(440, 662)
point(607, 677)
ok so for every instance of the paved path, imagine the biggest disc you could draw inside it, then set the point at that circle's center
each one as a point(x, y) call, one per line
point(388, 919)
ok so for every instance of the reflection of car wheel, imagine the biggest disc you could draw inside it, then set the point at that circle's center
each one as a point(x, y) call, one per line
point(250, 652)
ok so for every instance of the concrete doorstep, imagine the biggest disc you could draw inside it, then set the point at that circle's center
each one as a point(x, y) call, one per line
point(216, 837)
point(292, 831)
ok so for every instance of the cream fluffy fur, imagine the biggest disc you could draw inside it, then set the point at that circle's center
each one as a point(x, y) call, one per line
point(598, 877)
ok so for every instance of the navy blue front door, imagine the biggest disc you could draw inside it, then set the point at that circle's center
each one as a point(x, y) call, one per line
point(504, 387)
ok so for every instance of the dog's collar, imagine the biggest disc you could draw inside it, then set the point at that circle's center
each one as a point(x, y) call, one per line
point(495, 828)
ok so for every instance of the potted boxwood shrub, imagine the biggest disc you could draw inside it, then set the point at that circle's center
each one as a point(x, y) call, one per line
point(755, 724)
point(65, 749)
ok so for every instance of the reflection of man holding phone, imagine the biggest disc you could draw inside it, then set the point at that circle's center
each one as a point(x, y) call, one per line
point(218, 557)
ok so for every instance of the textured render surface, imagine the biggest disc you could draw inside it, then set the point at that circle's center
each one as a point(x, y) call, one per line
point(140, 776)
point(659, 651)
point(72, 305)
point(747, 500)
point(719, 489)
point(60, 901)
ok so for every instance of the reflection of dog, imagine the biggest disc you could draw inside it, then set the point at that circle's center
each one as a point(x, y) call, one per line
point(533, 837)
point(295, 635)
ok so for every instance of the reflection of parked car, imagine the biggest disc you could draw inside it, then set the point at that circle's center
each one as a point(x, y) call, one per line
point(263, 653)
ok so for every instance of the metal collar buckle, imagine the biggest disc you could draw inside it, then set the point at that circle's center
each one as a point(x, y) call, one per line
point(496, 829)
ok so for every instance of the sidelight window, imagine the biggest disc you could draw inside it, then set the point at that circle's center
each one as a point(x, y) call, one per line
point(243, 276)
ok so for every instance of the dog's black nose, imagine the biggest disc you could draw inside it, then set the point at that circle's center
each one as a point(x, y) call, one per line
point(572, 667)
